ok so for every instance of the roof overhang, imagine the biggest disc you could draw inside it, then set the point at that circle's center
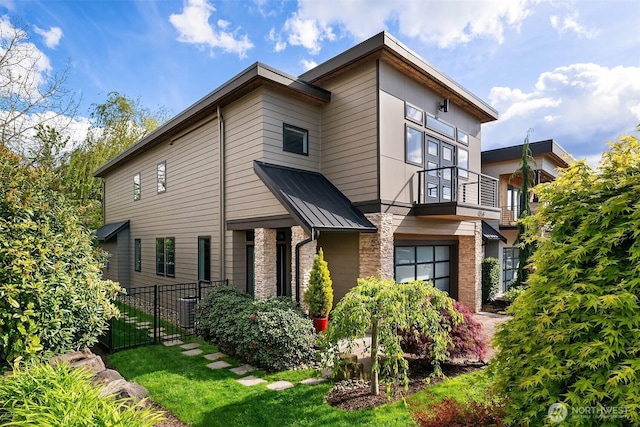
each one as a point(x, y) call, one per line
point(547, 147)
point(312, 200)
point(389, 49)
point(109, 231)
point(255, 76)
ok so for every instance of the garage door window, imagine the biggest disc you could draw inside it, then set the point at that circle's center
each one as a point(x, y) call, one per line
point(432, 262)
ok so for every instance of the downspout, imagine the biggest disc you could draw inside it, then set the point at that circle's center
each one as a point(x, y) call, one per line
point(314, 235)
point(221, 179)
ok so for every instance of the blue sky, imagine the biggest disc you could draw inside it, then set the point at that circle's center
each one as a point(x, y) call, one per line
point(570, 70)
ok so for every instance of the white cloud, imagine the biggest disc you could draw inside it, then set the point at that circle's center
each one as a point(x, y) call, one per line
point(194, 28)
point(570, 23)
point(582, 102)
point(442, 23)
point(308, 64)
point(24, 68)
point(51, 37)
point(278, 44)
point(308, 33)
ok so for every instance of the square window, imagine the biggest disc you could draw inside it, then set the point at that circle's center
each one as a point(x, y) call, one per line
point(405, 273)
point(425, 253)
point(295, 140)
point(413, 146)
point(463, 137)
point(162, 177)
point(447, 153)
point(136, 187)
point(446, 174)
point(432, 190)
point(433, 148)
point(414, 114)
point(424, 272)
point(446, 192)
point(431, 167)
point(405, 255)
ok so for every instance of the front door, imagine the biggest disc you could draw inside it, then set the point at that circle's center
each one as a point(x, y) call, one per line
point(440, 180)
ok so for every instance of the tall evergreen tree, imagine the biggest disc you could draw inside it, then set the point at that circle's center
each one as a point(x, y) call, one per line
point(526, 248)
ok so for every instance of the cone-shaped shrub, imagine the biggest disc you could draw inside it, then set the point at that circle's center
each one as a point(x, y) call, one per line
point(319, 294)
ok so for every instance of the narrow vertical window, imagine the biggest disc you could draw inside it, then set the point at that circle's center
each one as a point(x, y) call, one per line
point(204, 258)
point(413, 146)
point(162, 177)
point(160, 256)
point(170, 255)
point(295, 140)
point(137, 251)
point(463, 163)
point(136, 187)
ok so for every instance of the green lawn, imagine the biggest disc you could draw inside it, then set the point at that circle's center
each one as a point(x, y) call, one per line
point(203, 397)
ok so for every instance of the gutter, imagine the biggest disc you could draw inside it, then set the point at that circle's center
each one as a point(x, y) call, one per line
point(314, 236)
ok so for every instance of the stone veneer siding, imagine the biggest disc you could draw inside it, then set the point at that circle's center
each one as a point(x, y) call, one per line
point(265, 262)
point(470, 269)
point(376, 249)
point(307, 254)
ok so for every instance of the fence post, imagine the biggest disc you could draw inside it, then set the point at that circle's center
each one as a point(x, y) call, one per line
point(155, 314)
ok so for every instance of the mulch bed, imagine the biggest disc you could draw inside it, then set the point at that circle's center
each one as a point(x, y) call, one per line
point(498, 306)
point(361, 398)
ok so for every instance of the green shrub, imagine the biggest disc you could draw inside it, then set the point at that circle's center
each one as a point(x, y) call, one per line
point(513, 293)
point(217, 315)
point(44, 396)
point(574, 336)
point(276, 336)
point(52, 296)
point(271, 333)
point(319, 295)
point(490, 278)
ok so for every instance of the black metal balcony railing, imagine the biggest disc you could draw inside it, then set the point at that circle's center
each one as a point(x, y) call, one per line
point(455, 184)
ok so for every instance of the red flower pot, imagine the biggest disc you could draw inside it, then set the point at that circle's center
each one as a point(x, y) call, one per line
point(320, 323)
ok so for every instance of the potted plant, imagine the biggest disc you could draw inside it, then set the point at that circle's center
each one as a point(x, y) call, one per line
point(319, 295)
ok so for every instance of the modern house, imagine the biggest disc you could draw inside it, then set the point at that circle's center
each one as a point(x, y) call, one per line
point(501, 163)
point(374, 155)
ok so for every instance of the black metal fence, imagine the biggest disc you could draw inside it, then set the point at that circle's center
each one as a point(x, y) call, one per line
point(154, 314)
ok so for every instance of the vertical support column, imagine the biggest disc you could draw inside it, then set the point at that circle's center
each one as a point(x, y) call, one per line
point(470, 269)
point(376, 249)
point(265, 262)
point(307, 253)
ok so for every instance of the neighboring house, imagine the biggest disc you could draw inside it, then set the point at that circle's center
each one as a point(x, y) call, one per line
point(373, 155)
point(500, 235)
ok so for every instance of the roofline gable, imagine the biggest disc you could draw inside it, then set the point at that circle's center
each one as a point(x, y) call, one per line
point(256, 75)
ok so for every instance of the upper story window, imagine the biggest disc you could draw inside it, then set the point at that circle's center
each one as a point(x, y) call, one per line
point(463, 137)
point(414, 114)
point(441, 127)
point(136, 186)
point(295, 140)
point(463, 163)
point(162, 177)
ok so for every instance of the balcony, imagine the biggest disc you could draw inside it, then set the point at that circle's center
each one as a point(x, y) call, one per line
point(456, 193)
point(509, 215)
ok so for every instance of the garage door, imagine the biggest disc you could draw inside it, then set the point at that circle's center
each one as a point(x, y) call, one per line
point(428, 262)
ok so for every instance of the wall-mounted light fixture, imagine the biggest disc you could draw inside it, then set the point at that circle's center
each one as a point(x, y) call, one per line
point(444, 107)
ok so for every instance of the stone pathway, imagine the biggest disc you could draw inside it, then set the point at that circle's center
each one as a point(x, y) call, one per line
point(191, 350)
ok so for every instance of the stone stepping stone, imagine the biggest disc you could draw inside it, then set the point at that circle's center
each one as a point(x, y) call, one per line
point(147, 324)
point(242, 370)
point(157, 329)
point(192, 352)
point(251, 381)
point(160, 334)
point(190, 346)
point(214, 356)
point(172, 337)
point(279, 385)
point(171, 343)
point(313, 381)
point(218, 365)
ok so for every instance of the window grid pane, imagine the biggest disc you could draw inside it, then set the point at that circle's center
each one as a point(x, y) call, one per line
point(295, 140)
point(413, 146)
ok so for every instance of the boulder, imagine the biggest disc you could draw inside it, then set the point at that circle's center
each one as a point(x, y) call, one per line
point(107, 376)
point(123, 389)
point(80, 359)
